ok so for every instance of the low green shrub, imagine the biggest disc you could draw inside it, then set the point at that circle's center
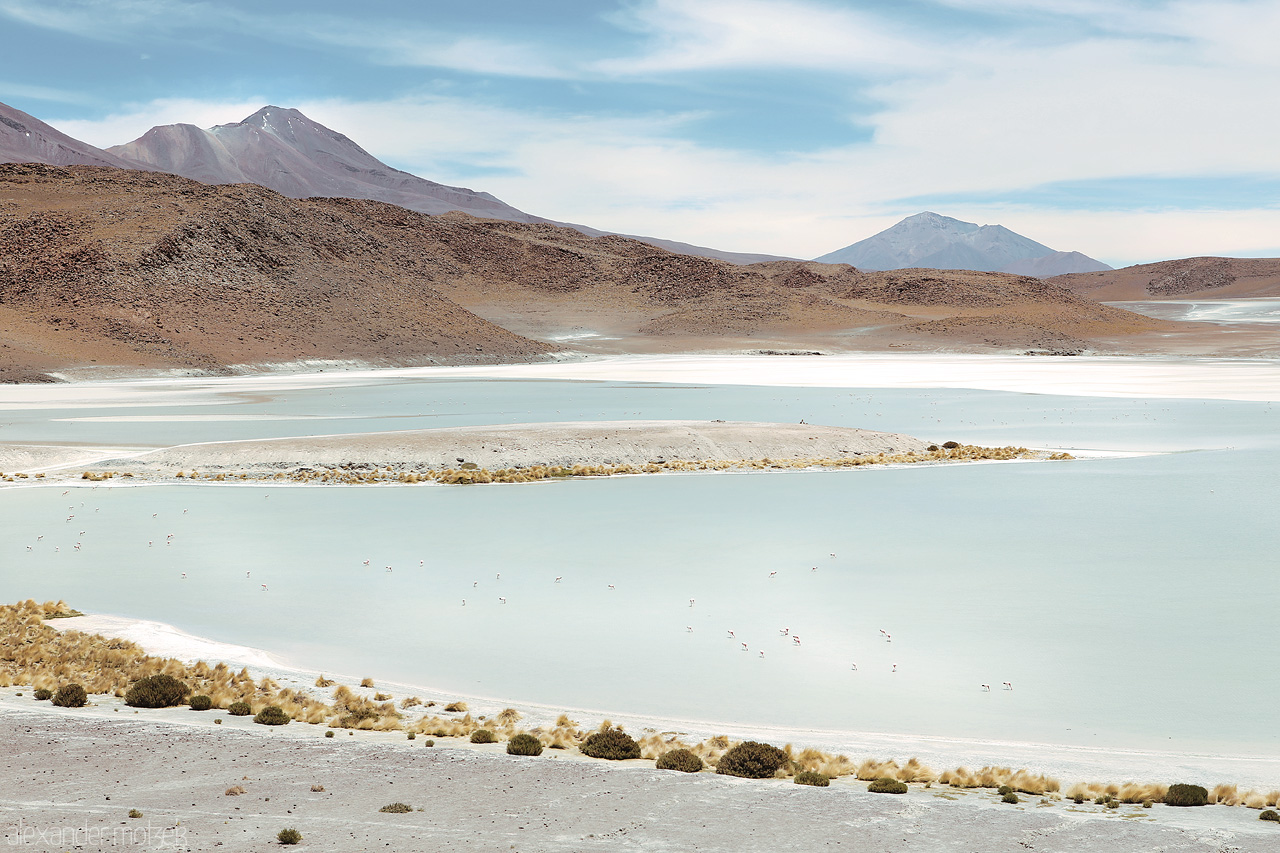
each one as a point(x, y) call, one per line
point(1010, 797)
point(1269, 814)
point(396, 808)
point(42, 695)
point(752, 760)
point(156, 691)
point(1004, 789)
point(611, 744)
point(239, 709)
point(70, 696)
point(809, 777)
point(288, 836)
point(524, 744)
point(1186, 795)
point(428, 742)
point(412, 735)
point(201, 703)
point(483, 736)
point(887, 785)
point(272, 715)
point(679, 759)
point(1146, 804)
point(329, 733)
point(134, 813)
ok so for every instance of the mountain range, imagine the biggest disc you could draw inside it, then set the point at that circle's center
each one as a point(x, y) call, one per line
point(144, 269)
point(931, 241)
point(284, 150)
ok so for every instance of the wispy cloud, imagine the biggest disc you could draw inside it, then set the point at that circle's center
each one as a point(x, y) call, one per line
point(717, 34)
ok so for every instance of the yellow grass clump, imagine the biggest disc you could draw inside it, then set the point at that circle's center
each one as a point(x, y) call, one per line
point(32, 652)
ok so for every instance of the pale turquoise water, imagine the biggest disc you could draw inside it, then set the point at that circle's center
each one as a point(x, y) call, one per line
point(1129, 601)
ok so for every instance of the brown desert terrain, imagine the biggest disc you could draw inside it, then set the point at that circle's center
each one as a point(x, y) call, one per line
point(145, 270)
point(1186, 278)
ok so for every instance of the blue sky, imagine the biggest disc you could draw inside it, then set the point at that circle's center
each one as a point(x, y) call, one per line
point(1131, 131)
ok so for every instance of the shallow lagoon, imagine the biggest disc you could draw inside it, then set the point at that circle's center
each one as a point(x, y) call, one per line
point(1128, 600)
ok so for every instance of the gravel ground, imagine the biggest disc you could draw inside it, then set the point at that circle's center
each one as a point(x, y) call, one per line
point(68, 783)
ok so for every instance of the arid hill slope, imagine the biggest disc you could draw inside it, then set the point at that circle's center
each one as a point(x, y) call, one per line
point(148, 270)
point(1186, 278)
point(145, 269)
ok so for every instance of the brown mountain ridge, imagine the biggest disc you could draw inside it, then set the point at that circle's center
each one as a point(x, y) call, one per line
point(140, 269)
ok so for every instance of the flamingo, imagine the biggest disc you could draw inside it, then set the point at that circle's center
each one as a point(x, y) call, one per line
point(611, 586)
point(388, 568)
point(558, 578)
point(986, 687)
point(895, 667)
point(503, 600)
point(498, 576)
point(744, 647)
point(366, 562)
point(795, 640)
point(28, 547)
point(264, 587)
point(246, 574)
point(773, 574)
point(689, 628)
point(731, 636)
point(422, 562)
point(691, 602)
point(854, 667)
point(1008, 685)
point(184, 575)
point(784, 631)
point(464, 602)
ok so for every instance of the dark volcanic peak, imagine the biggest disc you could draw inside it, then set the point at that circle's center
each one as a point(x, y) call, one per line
point(280, 148)
point(26, 139)
point(283, 150)
point(932, 241)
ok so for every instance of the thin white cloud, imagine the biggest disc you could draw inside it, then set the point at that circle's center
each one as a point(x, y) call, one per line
point(716, 34)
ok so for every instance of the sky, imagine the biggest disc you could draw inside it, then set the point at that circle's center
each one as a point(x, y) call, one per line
point(1130, 130)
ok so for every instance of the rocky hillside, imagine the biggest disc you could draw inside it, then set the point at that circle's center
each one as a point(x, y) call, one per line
point(133, 268)
point(1187, 278)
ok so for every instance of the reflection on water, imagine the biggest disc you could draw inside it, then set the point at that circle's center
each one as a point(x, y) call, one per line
point(1128, 601)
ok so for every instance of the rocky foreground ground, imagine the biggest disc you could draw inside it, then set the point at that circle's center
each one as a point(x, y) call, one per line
point(69, 783)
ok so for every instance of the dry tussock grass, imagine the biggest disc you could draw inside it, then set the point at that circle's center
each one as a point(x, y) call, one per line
point(33, 653)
